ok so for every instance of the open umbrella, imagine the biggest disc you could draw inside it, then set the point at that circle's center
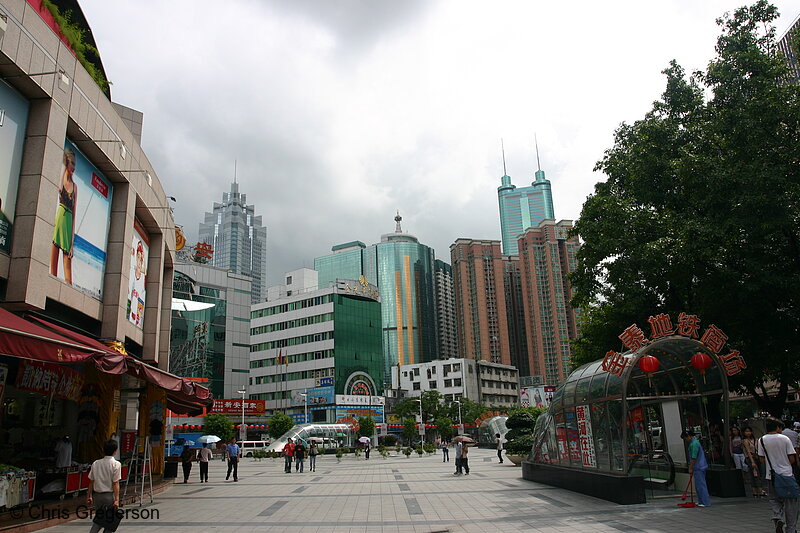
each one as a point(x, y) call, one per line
point(364, 439)
point(188, 443)
point(208, 439)
point(464, 439)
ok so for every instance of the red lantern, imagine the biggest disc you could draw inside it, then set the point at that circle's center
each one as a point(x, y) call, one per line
point(701, 361)
point(649, 364)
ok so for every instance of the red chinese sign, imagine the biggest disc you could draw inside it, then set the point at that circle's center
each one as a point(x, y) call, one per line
point(585, 439)
point(234, 407)
point(633, 338)
point(48, 379)
point(204, 250)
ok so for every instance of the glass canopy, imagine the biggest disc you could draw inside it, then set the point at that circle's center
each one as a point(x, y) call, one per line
point(606, 422)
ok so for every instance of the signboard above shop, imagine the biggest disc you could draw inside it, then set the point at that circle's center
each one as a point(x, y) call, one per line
point(234, 407)
point(351, 399)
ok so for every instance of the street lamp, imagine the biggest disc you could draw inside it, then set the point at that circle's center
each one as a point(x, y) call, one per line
point(242, 430)
point(305, 406)
point(421, 422)
point(460, 426)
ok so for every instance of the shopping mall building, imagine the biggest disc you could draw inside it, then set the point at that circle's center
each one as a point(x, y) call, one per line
point(87, 244)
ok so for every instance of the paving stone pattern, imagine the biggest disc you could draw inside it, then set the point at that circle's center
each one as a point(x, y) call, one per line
point(363, 496)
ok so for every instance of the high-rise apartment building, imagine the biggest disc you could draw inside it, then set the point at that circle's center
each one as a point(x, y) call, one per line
point(480, 300)
point(239, 239)
point(446, 335)
point(787, 48)
point(403, 270)
point(522, 208)
point(547, 254)
point(515, 313)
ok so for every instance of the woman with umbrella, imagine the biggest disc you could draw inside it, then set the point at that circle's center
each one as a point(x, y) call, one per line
point(205, 456)
point(187, 456)
point(365, 441)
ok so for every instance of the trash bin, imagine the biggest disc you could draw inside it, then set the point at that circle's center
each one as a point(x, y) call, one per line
point(170, 469)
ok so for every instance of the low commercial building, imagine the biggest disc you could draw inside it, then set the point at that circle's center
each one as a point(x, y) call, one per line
point(316, 354)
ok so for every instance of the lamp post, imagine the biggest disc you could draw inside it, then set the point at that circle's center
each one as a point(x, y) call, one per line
point(305, 406)
point(242, 430)
point(421, 422)
point(460, 426)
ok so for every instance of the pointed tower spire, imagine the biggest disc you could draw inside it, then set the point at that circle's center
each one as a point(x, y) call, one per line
point(503, 149)
point(234, 171)
point(505, 181)
point(538, 163)
point(398, 219)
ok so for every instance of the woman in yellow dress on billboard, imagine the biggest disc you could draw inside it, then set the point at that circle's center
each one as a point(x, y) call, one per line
point(64, 230)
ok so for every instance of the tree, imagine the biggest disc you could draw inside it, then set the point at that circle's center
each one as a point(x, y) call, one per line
point(279, 424)
point(700, 211)
point(520, 424)
point(444, 426)
point(431, 406)
point(470, 411)
point(409, 429)
point(366, 426)
point(219, 425)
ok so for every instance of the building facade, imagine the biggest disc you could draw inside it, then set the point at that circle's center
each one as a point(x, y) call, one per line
point(522, 208)
point(491, 384)
point(403, 270)
point(213, 341)
point(547, 256)
point(446, 333)
point(480, 300)
point(319, 352)
point(787, 47)
point(238, 238)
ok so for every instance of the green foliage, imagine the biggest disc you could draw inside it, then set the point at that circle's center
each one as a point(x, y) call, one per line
point(699, 211)
point(520, 424)
point(429, 448)
point(524, 417)
point(86, 53)
point(444, 426)
point(521, 445)
point(389, 440)
point(273, 454)
point(419, 450)
point(259, 454)
point(470, 411)
point(279, 424)
point(219, 425)
point(366, 426)
point(407, 451)
point(398, 449)
point(384, 453)
point(339, 453)
point(409, 429)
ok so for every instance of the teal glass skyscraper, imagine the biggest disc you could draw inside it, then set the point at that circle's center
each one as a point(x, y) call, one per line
point(403, 270)
point(522, 208)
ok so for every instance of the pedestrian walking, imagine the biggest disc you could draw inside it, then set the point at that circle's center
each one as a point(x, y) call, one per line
point(312, 456)
point(698, 467)
point(778, 453)
point(103, 490)
point(737, 449)
point(445, 452)
point(755, 472)
point(367, 448)
point(205, 456)
point(459, 449)
point(187, 457)
point(499, 441)
point(288, 453)
point(465, 459)
point(234, 453)
point(299, 456)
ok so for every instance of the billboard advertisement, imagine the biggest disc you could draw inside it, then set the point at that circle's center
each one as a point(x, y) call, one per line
point(534, 397)
point(13, 122)
point(80, 224)
point(354, 412)
point(232, 406)
point(140, 252)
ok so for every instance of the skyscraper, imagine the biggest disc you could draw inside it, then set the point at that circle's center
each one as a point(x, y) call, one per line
point(239, 239)
point(522, 208)
point(446, 335)
point(480, 300)
point(786, 47)
point(547, 256)
point(403, 270)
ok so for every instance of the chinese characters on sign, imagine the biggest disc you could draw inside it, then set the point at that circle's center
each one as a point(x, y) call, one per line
point(585, 436)
point(203, 250)
point(633, 338)
point(233, 407)
point(44, 378)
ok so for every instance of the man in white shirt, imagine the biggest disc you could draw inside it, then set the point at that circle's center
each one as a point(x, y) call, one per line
point(778, 453)
point(104, 489)
point(792, 434)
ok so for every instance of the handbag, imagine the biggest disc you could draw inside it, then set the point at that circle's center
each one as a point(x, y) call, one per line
point(785, 486)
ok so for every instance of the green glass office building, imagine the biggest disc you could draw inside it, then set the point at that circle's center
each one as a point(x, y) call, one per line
point(522, 208)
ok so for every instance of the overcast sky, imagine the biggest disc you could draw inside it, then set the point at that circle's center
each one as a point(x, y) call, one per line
point(340, 112)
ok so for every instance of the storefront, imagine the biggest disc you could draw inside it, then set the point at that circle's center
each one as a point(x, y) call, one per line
point(63, 395)
point(613, 427)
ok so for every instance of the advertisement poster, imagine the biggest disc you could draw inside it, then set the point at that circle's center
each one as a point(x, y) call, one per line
point(533, 397)
point(354, 412)
point(13, 122)
point(140, 252)
point(585, 436)
point(80, 224)
point(44, 378)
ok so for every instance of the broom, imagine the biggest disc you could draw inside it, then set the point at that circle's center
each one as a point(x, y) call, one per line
point(691, 492)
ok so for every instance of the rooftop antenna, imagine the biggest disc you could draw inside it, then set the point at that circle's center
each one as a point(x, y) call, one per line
point(234, 171)
point(503, 148)
point(397, 219)
point(536, 141)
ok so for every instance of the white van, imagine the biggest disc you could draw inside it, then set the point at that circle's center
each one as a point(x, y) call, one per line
point(249, 446)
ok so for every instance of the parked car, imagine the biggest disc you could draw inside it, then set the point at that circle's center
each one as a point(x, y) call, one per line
point(249, 446)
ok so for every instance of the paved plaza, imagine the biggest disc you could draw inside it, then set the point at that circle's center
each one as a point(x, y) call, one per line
point(413, 494)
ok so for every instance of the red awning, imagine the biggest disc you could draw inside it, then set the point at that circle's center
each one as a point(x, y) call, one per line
point(33, 340)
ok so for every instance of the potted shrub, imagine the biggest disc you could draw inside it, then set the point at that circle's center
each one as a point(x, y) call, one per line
point(339, 454)
point(419, 450)
point(519, 439)
point(429, 448)
point(407, 451)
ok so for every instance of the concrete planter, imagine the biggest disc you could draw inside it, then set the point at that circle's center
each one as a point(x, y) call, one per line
point(516, 459)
